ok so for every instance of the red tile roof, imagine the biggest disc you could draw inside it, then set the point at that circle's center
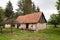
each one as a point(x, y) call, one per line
point(29, 18)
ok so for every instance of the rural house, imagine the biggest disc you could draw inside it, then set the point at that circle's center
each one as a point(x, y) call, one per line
point(34, 21)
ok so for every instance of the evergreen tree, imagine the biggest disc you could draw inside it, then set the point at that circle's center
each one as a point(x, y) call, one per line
point(9, 10)
point(1, 18)
point(38, 10)
point(58, 5)
point(20, 5)
point(28, 6)
point(25, 6)
point(34, 7)
point(58, 8)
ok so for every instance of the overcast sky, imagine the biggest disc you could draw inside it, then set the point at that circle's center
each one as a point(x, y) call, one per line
point(46, 6)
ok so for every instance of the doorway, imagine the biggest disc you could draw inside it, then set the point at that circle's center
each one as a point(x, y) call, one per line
point(27, 26)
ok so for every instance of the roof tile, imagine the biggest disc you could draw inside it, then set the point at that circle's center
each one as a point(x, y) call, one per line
point(29, 18)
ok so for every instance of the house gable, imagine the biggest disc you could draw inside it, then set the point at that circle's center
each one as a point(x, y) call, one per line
point(42, 19)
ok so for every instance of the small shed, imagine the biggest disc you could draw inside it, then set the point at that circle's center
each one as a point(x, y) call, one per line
point(9, 22)
point(34, 21)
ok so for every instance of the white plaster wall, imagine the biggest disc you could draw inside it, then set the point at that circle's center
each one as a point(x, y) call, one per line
point(22, 26)
point(44, 26)
point(7, 25)
point(38, 26)
point(32, 26)
point(15, 25)
point(41, 26)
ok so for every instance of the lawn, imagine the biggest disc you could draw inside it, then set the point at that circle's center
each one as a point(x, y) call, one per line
point(48, 34)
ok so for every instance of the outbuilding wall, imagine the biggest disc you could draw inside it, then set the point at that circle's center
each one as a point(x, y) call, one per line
point(7, 25)
point(36, 27)
point(32, 26)
point(15, 25)
point(23, 26)
point(41, 26)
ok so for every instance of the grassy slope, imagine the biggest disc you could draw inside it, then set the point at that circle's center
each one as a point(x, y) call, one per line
point(48, 34)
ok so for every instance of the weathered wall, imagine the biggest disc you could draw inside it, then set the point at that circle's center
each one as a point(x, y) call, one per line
point(38, 26)
point(7, 25)
point(32, 26)
point(15, 25)
point(41, 26)
point(22, 26)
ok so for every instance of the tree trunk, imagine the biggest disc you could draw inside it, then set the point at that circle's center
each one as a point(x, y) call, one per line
point(1, 29)
point(55, 26)
point(11, 29)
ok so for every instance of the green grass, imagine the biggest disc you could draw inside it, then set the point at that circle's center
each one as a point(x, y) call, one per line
point(48, 34)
